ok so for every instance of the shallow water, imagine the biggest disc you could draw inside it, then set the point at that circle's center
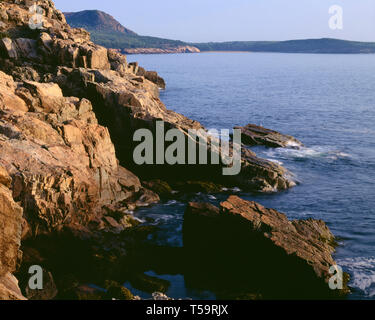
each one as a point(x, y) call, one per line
point(326, 101)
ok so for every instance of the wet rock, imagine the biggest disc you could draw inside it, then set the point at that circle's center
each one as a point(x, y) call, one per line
point(117, 291)
point(149, 284)
point(256, 135)
point(159, 296)
point(162, 188)
point(198, 186)
point(82, 293)
point(291, 259)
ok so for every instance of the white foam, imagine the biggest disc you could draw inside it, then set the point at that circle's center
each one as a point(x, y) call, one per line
point(293, 144)
point(306, 153)
point(363, 273)
point(276, 161)
point(170, 203)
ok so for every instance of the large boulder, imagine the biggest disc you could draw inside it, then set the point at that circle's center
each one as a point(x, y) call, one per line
point(256, 135)
point(260, 251)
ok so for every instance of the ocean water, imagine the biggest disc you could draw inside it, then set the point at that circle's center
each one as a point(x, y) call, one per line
point(326, 101)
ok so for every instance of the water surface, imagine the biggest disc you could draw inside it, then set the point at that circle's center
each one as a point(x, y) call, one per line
point(326, 101)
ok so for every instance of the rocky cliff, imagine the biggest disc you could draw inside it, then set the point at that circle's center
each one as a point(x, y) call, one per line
point(68, 112)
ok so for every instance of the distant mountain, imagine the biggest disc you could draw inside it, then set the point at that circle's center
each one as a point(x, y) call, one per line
point(108, 32)
point(95, 20)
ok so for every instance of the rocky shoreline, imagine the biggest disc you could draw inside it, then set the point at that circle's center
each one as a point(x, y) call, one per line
point(68, 182)
point(181, 49)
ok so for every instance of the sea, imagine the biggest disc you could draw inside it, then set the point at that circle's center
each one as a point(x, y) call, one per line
point(327, 101)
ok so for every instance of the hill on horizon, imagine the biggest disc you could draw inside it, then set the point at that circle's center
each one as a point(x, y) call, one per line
point(96, 20)
point(108, 32)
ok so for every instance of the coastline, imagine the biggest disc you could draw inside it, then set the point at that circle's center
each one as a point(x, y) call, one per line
point(71, 185)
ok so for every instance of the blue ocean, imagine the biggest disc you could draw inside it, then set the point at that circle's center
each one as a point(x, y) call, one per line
point(326, 101)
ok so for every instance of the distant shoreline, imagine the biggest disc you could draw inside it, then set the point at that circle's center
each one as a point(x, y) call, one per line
point(239, 51)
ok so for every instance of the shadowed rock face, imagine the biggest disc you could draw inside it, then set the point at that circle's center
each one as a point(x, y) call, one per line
point(260, 250)
point(255, 135)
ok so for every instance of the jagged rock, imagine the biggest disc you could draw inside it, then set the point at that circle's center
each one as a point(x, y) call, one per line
point(151, 76)
point(256, 135)
point(158, 296)
point(291, 259)
point(9, 289)
point(10, 239)
point(8, 48)
point(198, 186)
point(63, 163)
point(10, 226)
point(117, 291)
point(126, 105)
point(162, 188)
point(125, 98)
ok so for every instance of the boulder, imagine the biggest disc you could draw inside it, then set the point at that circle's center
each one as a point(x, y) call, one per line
point(260, 251)
point(8, 48)
point(151, 76)
point(256, 135)
point(154, 77)
point(162, 188)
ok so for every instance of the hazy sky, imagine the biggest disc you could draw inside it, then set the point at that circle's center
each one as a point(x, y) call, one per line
point(225, 20)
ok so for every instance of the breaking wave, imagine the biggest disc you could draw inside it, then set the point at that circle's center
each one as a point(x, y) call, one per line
point(362, 271)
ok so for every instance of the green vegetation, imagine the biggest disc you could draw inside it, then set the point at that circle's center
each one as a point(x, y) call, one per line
point(124, 41)
point(324, 45)
point(108, 32)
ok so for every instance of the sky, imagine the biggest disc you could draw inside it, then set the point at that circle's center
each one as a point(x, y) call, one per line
point(235, 20)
